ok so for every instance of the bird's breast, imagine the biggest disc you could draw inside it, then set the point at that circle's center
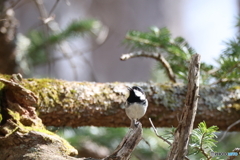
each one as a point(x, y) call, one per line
point(136, 111)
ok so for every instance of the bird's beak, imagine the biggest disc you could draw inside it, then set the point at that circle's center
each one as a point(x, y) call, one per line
point(129, 88)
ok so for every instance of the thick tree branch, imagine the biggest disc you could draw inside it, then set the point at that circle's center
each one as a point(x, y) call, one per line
point(63, 103)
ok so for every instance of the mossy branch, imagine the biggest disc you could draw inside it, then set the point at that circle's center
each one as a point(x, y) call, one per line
point(63, 103)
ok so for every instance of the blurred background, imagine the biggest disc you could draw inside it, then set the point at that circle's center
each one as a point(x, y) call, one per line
point(205, 24)
point(95, 55)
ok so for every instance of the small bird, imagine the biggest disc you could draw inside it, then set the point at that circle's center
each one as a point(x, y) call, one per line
point(136, 105)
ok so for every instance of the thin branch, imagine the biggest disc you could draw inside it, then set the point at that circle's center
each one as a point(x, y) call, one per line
point(199, 149)
point(84, 52)
point(10, 7)
point(138, 157)
point(237, 80)
point(147, 143)
point(44, 16)
point(156, 56)
point(21, 4)
point(155, 130)
point(165, 140)
point(68, 57)
point(202, 150)
point(232, 125)
point(142, 40)
point(223, 77)
point(14, 4)
point(53, 8)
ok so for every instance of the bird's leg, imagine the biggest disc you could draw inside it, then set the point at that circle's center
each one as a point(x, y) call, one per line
point(134, 123)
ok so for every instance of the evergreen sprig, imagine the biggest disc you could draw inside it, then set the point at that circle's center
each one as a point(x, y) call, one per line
point(203, 139)
point(229, 62)
point(177, 51)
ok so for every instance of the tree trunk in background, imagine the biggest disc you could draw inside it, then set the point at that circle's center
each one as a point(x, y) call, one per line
point(8, 25)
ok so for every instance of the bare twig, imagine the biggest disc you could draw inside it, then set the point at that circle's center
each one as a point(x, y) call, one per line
point(138, 157)
point(155, 130)
point(16, 7)
point(14, 4)
point(44, 16)
point(232, 125)
point(184, 129)
point(165, 140)
point(82, 53)
point(156, 56)
point(226, 80)
point(53, 8)
point(147, 143)
point(10, 7)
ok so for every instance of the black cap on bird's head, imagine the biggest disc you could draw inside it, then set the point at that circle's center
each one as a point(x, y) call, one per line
point(135, 88)
point(135, 94)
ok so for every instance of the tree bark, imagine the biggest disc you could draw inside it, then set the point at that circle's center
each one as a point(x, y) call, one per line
point(63, 103)
point(182, 133)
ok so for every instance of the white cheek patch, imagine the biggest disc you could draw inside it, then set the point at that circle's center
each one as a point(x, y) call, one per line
point(139, 94)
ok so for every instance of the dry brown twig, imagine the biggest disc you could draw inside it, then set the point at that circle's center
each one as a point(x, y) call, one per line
point(156, 56)
point(155, 130)
point(232, 125)
point(45, 17)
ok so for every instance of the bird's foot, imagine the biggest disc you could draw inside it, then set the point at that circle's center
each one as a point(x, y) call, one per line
point(134, 124)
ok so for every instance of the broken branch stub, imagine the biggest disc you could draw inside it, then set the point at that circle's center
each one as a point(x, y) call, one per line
point(128, 144)
point(184, 129)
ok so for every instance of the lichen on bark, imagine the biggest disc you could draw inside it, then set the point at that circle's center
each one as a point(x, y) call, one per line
point(63, 103)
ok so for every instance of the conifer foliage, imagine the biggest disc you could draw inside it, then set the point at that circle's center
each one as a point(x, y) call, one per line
point(177, 52)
